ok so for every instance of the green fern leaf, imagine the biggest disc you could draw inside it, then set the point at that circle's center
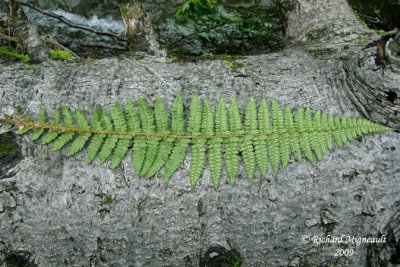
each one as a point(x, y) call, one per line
point(207, 120)
point(65, 137)
point(24, 129)
point(350, 133)
point(194, 124)
point(231, 148)
point(305, 143)
point(178, 116)
point(165, 146)
point(260, 143)
point(176, 158)
point(247, 146)
point(120, 124)
point(221, 118)
point(155, 143)
point(284, 140)
point(164, 150)
point(98, 139)
point(68, 117)
point(357, 131)
point(161, 116)
point(148, 126)
point(42, 120)
point(82, 139)
point(198, 151)
point(139, 153)
point(180, 146)
point(294, 134)
point(132, 118)
point(111, 140)
point(215, 144)
point(310, 134)
point(274, 138)
point(139, 144)
point(318, 138)
point(325, 131)
point(199, 145)
point(341, 135)
point(334, 135)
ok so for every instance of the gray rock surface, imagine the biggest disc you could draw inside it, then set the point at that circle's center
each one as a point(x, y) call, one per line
point(64, 212)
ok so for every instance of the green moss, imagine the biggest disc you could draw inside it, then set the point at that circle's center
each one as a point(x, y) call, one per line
point(230, 60)
point(360, 20)
point(5, 146)
point(238, 261)
point(344, 59)
point(10, 52)
point(221, 56)
point(380, 32)
point(234, 66)
point(312, 42)
point(19, 109)
point(31, 67)
point(321, 51)
point(59, 54)
point(109, 200)
point(363, 41)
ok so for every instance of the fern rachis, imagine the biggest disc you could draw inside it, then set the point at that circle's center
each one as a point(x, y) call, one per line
point(269, 134)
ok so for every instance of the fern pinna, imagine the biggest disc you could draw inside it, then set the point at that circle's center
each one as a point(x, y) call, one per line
point(269, 135)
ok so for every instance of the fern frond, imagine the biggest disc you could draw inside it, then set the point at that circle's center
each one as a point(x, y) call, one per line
point(274, 139)
point(325, 131)
point(140, 144)
point(215, 144)
point(270, 135)
point(194, 124)
point(231, 148)
point(24, 129)
point(305, 143)
point(42, 120)
point(199, 145)
point(148, 126)
point(111, 140)
point(284, 141)
point(318, 140)
point(98, 139)
point(65, 137)
point(340, 135)
point(165, 146)
point(333, 135)
point(51, 135)
point(198, 152)
point(247, 146)
point(82, 139)
point(294, 137)
point(177, 155)
point(260, 143)
point(123, 143)
point(176, 158)
point(132, 118)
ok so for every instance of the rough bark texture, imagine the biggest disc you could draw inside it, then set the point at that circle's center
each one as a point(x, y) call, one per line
point(67, 213)
point(374, 89)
